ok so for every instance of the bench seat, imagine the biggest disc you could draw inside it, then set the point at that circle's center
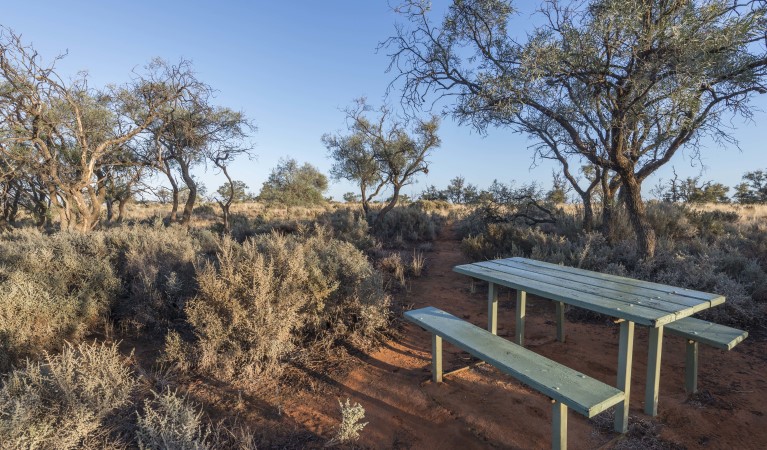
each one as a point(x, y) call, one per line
point(567, 387)
point(712, 334)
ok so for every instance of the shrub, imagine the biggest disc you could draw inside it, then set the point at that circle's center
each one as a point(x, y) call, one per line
point(261, 298)
point(171, 422)
point(156, 265)
point(52, 288)
point(406, 224)
point(350, 427)
point(348, 225)
point(65, 402)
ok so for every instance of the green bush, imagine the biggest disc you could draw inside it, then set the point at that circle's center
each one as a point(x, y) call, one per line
point(261, 299)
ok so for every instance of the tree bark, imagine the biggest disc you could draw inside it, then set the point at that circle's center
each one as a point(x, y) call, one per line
point(632, 195)
point(192, 198)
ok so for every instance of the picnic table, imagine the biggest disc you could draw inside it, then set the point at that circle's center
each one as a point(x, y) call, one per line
point(631, 301)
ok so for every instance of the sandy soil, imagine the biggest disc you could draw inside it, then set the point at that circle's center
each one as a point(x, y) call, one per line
point(480, 408)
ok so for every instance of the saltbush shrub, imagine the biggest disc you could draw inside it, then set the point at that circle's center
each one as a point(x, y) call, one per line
point(156, 266)
point(52, 288)
point(65, 402)
point(405, 224)
point(262, 298)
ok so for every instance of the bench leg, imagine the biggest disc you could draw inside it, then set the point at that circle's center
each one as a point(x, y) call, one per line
point(492, 308)
point(559, 427)
point(560, 322)
point(653, 371)
point(625, 355)
point(436, 358)
point(691, 368)
point(521, 301)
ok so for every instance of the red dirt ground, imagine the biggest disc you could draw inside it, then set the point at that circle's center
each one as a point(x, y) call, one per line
point(480, 408)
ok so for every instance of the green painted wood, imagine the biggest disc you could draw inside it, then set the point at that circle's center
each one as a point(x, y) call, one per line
point(583, 394)
point(691, 367)
point(521, 313)
point(625, 356)
point(652, 386)
point(636, 313)
point(715, 299)
point(492, 308)
point(436, 358)
point(622, 299)
point(626, 290)
point(560, 322)
point(559, 426)
point(713, 334)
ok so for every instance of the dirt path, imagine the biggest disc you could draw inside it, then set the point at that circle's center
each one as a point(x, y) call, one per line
point(481, 408)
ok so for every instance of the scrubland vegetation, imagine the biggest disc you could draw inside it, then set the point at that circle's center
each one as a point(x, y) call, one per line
point(285, 291)
point(272, 296)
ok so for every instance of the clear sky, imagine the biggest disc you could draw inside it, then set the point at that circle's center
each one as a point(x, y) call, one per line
point(291, 67)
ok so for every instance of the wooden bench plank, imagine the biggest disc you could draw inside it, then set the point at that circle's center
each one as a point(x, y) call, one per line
point(623, 288)
point(570, 387)
point(714, 299)
point(637, 313)
point(713, 334)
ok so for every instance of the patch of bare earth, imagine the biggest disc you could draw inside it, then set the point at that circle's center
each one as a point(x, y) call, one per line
point(479, 407)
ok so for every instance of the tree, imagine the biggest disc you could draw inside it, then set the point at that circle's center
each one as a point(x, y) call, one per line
point(351, 197)
point(382, 153)
point(753, 189)
point(621, 86)
point(65, 135)
point(292, 185)
point(432, 193)
point(237, 189)
point(559, 189)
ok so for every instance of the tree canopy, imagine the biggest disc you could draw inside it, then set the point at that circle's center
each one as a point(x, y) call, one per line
point(621, 86)
point(381, 153)
point(291, 184)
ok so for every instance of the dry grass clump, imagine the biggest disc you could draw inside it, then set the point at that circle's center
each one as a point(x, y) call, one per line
point(52, 288)
point(65, 401)
point(278, 297)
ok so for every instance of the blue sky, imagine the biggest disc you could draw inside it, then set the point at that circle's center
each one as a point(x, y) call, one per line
point(291, 67)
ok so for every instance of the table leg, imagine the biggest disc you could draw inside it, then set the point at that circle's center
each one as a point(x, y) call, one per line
point(559, 426)
point(436, 358)
point(492, 308)
point(653, 371)
point(691, 367)
point(521, 301)
point(625, 355)
point(560, 322)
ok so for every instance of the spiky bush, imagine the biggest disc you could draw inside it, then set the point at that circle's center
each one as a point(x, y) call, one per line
point(65, 401)
point(156, 266)
point(171, 422)
point(52, 288)
point(262, 298)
